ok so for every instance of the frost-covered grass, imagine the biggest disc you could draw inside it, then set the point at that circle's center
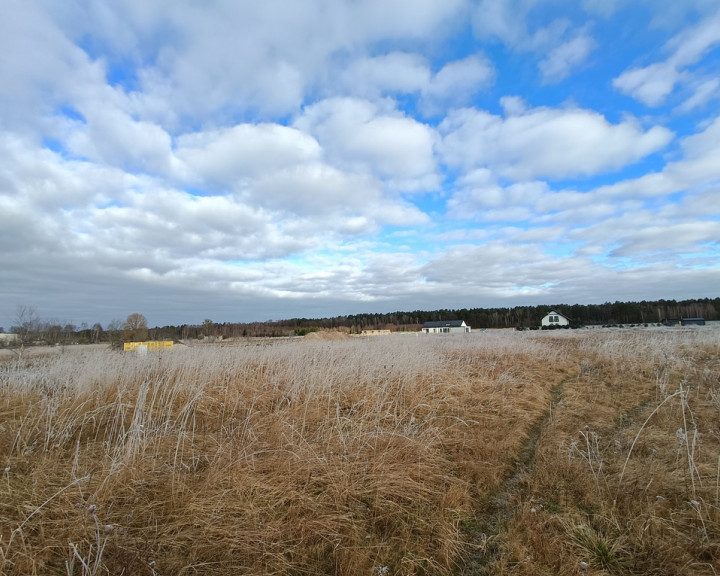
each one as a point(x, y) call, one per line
point(627, 472)
point(365, 455)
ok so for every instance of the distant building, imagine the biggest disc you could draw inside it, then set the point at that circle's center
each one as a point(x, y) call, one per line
point(555, 319)
point(692, 322)
point(145, 346)
point(446, 327)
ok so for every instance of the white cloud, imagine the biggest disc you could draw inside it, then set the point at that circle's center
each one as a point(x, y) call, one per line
point(361, 136)
point(563, 58)
point(113, 137)
point(546, 142)
point(230, 156)
point(703, 92)
point(564, 46)
point(698, 166)
point(653, 83)
point(40, 69)
point(679, 239)
point(502, 270)
point(178, 156)
point(503, 19)
point(456, 83)
point(480, 196)
point(238, 55)
point(395, 72)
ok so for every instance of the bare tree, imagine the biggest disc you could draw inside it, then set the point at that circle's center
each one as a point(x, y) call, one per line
point(208, 328)
point(68, 333)
point(27, 325)
point(114, 329)
point(135, 328)
point(96, 333)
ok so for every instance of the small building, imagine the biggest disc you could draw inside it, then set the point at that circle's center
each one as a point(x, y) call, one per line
point(554, 318)
point(692, 322)
point(446, 327)
point(145, 346)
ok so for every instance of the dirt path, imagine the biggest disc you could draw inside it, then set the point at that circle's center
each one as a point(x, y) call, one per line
point(496, 508)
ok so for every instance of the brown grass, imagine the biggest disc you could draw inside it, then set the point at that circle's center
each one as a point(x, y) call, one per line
point(625, 474)
point(394, 455)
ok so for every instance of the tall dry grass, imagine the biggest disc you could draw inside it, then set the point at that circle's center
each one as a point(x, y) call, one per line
point(626, 473)
point(343, 457)
point(574, 452)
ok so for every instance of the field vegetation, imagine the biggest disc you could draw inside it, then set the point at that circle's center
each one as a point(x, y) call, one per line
point(572, 452)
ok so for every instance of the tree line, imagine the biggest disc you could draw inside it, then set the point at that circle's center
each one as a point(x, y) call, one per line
point(30, 328)
point(609, 313)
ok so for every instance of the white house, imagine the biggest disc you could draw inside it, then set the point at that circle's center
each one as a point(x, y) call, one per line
point(446, 327)
point(555, 319)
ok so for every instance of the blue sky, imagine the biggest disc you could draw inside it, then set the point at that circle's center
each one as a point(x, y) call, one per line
point(247, 161)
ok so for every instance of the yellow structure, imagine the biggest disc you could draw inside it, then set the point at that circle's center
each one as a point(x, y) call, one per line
point(161, 345)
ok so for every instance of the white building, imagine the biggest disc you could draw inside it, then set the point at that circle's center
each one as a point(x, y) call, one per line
point(555, 319)
point(446, 327)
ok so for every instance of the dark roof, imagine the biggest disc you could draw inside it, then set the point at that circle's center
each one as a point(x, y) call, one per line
point(444, 324)
point(556, 313)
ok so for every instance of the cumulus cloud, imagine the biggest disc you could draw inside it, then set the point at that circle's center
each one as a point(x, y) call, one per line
point(227, 157)
point(395, 72)
point(480, 196)
point(40, 68)
point(239, 55)
point(456, 83)
point(138, 226)
point(362, 136)
point(113, 137)
point(652, 84)
point(553, 143)
point(282, 159)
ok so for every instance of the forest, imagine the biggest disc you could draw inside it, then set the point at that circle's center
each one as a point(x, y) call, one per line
point(609, 313)
point(36, 330)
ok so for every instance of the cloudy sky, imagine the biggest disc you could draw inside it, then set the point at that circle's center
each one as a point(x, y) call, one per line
point(241, 160)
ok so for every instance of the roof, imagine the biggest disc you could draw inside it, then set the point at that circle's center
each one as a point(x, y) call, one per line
point(556, 313)
point(444, 324)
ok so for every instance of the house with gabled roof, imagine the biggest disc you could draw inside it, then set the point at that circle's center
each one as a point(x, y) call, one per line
point(446, 327)
point(554, 318)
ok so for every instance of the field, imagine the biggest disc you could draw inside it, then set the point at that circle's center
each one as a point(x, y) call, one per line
point(498, 453)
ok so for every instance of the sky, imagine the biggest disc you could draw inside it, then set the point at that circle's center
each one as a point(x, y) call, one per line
point(247, 161)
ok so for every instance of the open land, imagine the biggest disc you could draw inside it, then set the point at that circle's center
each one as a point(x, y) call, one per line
point(495, 453)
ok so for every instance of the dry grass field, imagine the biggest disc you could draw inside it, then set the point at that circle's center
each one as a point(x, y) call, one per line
point(498, 453)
